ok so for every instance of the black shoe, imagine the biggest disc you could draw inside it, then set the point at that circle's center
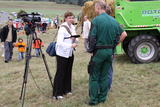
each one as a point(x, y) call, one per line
point(10, 59)
point(6, 61)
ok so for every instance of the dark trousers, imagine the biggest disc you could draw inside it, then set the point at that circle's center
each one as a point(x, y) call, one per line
point(63, 76)
point(8, 47)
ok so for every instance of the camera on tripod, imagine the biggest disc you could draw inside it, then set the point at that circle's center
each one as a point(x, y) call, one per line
point(30, 21)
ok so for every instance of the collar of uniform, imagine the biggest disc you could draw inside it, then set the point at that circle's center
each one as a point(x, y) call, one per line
point(103, 13)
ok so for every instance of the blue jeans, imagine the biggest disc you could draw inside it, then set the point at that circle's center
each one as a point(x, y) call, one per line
point(86, 44)
point(20, 55)
point(8, 47)
point(110, 75)
point(37, 51)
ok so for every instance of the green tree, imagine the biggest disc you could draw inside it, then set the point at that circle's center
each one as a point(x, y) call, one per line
point(20, 13)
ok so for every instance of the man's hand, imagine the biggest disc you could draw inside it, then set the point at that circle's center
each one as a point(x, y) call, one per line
point(2, 43)
point(123, 36)
point(14, 44)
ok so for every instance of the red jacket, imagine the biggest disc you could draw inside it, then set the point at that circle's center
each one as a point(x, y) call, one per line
point(37, 43)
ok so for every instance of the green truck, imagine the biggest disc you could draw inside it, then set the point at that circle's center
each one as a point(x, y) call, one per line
point(141, 20)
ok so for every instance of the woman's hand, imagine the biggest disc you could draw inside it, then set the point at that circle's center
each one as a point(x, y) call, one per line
point(74, 45)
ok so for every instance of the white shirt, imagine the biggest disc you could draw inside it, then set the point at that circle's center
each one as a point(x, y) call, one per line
point(63, 46)
point(86, 28)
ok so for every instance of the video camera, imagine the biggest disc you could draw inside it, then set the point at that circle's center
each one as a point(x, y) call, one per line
point(30, 21)
point(31, 18)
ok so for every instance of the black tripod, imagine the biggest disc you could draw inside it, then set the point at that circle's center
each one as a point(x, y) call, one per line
point(32, 36)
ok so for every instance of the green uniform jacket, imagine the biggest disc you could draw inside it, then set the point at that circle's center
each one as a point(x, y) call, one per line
point(105, 29)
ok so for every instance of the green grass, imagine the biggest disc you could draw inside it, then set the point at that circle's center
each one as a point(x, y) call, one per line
point(49, 9)
point(134, 85)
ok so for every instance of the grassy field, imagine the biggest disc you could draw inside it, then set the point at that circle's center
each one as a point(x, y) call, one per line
point(134, 85)
point(49, 9)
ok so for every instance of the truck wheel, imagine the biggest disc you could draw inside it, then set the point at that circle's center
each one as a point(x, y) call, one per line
point(143, 49)
point(125, 46)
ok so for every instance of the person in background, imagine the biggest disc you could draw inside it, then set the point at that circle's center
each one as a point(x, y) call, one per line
point(56, 22)
point(44, 27)
point(21, 48)
point(85, 33)
point(110, 72)
point(64, 58)
point(38, 26)
point(37, 44)
point(8, 38)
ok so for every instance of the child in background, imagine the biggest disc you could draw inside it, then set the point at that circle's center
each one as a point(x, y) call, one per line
point(21, 48)
point(37, 44)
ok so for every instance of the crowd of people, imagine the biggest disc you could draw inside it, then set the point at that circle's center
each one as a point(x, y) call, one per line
point(99, 35)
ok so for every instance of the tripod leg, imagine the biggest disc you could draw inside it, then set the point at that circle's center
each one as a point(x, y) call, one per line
point(23, 91)
point(28, 57)
point(46, 65)
point(24, 95)
point(45, 62)
point(25, 78)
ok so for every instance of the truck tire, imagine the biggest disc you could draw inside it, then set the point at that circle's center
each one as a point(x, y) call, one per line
point(125, 46)
point(143, 49)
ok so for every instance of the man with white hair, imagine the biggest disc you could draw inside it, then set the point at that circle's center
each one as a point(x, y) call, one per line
point(104, 31)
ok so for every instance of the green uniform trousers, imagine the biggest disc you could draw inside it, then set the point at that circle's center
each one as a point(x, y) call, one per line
point(99, 76)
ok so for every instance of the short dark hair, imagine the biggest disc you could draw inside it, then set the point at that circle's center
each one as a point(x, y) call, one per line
point(9, 19)
point(66, 14)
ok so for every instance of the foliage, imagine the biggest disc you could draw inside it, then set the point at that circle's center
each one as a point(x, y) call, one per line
point(20, 13)
point(88, 8)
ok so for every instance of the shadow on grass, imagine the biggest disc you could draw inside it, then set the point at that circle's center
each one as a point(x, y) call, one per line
point(123, 59)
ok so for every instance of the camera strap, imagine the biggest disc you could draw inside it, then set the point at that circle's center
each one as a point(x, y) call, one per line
point(69, 33)
point(68, 30)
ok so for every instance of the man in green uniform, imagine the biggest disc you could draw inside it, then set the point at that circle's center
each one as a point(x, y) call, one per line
point(104, 31)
